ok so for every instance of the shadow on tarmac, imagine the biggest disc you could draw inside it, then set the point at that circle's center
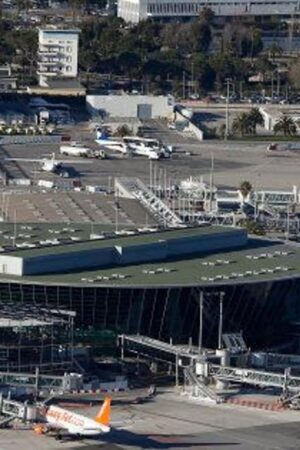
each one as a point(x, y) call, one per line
point(128, 438)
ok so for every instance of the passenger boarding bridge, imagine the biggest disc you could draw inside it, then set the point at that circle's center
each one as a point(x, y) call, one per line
point(199, 365)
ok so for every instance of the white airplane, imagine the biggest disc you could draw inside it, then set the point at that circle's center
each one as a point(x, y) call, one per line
point(111, 144)
point(49, 164)
point(59, 419)
point(134, 145)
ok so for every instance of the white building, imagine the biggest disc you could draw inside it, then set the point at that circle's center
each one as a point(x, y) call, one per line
point(139, 106)
point(8, 82)
point(57, 54)
point(136, 10)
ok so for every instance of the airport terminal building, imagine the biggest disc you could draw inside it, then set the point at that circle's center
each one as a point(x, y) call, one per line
point(136, 10)
point(151, 283)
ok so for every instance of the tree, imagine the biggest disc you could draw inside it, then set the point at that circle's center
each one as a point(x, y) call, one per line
point(240, 124)
point(255, 118)
point(25, 44)
point(200, 35)
point(253, 227)
point(203, 72)
point(129, 63)
point(245, 188)
point(274, 50)
point(207, 15)
point(294, 74)
point(286, 125)
point(123, 130)
point(256, 42)
point(88, 60)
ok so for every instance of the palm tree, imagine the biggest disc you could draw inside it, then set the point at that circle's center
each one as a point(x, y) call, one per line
point(240, 124)
point(286, 125)
point(274, 50)
point(245, 188)
point(255, 118)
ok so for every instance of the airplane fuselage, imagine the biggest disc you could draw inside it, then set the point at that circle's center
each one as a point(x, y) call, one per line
point(75, 424)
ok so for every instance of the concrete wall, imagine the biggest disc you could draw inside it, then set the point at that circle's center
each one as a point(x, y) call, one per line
point(62, 262)
point(143, 253)
point(127, 105)
point(11, 265)
point(206, 243)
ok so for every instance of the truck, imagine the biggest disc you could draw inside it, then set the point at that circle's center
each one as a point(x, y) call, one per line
point(276, 148)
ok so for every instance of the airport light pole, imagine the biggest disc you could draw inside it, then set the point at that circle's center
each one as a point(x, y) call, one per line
point(150, 168)
point(15, 228)
point(241, 89)
point(222, 294)
point(183, 85)
point(278, 83)
point(287, 223)
point(200, 322)
point(227, 110)
point(211, 180)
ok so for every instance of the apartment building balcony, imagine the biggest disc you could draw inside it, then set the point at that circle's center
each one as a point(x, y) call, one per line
point(48, 71)
point(51, 55)
point(50, 62)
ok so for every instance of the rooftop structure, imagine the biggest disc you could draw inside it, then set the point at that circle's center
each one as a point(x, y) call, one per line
point(136, 10)
point(57, 54)
point(258, 261)
point(120, 251)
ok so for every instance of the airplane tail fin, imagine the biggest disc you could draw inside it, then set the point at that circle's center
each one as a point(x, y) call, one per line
point(101, 135)
point(103, 416)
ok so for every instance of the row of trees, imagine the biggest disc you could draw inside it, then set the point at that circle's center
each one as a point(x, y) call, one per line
point(164, 54)
point(245, 124)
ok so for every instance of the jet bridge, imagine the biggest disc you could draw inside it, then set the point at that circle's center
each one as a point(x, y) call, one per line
point(12, 409)
point(40, 383)
point(188, 359)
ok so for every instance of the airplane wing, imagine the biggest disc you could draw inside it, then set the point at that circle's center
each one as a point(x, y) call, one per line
point(24, 159)
point(72, 161)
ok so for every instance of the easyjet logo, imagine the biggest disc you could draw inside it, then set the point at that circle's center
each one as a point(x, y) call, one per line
point(65, 417)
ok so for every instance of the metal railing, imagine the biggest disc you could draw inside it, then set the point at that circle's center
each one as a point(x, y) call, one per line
point(199, 389)
point(255, 377)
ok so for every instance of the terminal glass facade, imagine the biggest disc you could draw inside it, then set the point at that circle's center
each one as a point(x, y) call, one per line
point(266, 312)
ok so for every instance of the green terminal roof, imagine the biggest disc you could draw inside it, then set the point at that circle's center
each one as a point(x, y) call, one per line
point(191, 271)
point(187, 271)
point(146, 238)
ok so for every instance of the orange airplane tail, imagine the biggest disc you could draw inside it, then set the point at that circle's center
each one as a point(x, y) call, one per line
point(103, 415)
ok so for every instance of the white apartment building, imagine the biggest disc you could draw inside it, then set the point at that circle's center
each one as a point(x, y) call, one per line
point(57, 54)
point(136, 10)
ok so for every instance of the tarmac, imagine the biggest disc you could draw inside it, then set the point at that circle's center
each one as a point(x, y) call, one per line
point(170, 421)
point(233, 161)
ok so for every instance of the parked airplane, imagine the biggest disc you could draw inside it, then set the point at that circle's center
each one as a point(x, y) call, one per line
point(49, 164)
point(134, 145)
point(111, 144)
point(59, 419)
point(76, 149)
